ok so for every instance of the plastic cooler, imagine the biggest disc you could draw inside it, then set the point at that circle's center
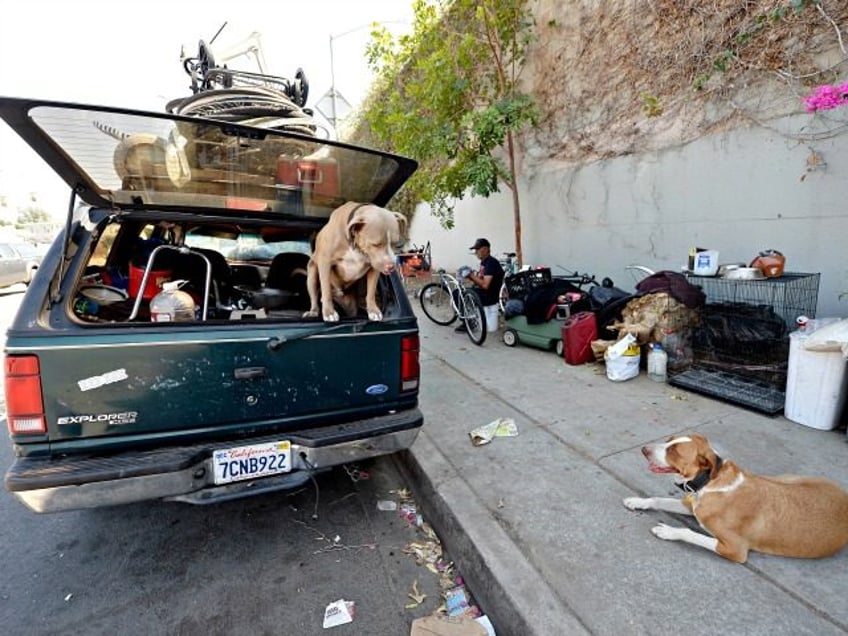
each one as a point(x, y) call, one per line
point(815, 385)
point(578, 332)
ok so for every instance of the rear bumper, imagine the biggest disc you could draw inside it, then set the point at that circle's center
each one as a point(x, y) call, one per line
point(185, 473)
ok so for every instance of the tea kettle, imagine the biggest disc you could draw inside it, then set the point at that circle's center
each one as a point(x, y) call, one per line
point(771, 262)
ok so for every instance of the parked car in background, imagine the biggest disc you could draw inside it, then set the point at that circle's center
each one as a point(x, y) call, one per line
point(18, 263)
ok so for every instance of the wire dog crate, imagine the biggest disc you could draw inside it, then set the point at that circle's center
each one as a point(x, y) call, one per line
point(791, 295)
point(740, 352)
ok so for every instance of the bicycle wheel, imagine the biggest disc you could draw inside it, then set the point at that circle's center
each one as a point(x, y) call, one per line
point(436, 302)
point(503, 297)
point(475, 318)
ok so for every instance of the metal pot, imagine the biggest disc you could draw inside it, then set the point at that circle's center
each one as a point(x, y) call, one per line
point(745, 273)
point(725, 268)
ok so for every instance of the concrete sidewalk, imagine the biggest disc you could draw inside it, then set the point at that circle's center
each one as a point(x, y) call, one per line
point(536, 523)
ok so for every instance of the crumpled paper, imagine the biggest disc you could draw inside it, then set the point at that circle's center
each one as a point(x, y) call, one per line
point(501, 427)
point(338, 613)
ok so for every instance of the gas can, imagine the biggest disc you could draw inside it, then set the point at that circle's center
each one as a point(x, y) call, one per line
point(578, 332)
point(171, 304)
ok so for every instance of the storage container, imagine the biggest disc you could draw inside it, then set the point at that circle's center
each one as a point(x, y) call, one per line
point(624, 365)
point(154, 281)
point(491, 318)
point(815, 385)
point(705, 263)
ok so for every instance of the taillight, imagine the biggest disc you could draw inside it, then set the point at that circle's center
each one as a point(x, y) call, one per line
point(24, 406)
point(409, 367)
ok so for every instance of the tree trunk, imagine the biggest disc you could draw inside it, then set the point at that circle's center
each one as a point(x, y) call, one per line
point(516, 205)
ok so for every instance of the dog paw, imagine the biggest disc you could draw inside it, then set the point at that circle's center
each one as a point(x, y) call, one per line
point(636, 503)
point(375, 315)
point(331, 317)
point(663, 531)
point(312, 313)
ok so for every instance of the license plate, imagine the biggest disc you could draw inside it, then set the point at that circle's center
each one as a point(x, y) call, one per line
point(251, 462)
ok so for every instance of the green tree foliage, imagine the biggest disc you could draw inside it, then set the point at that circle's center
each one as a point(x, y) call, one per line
point(447, 96)
point(32, 214)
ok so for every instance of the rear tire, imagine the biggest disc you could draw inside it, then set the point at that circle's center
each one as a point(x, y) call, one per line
point(510, 337)
point(436, 302)
point(475, 320)
point(503, 297)
point(559, 348)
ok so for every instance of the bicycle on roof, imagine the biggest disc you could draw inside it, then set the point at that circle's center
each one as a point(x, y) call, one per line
point(448, 299)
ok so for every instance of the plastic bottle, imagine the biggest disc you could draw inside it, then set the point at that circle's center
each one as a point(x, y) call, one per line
point(171, 304)
point(657, 363)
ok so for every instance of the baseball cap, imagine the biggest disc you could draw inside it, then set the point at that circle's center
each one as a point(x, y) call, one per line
point(480, 242)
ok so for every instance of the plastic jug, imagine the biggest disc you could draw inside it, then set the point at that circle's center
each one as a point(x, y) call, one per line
point(171, 304)
point(657, 363)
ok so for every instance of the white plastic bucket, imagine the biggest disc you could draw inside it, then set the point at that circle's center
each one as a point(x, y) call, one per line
point(815, 385)
point(491, 318)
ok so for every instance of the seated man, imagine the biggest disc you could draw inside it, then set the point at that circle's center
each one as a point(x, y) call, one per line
point(488, 279)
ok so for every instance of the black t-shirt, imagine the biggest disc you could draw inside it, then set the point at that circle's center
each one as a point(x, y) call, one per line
point(490, 266)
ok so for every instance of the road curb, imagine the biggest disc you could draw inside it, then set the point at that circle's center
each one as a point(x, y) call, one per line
point(506, 585)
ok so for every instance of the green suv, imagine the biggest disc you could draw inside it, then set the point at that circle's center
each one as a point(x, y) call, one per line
point(161, 351)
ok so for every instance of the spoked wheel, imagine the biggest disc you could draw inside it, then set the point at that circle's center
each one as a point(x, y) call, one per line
point(510, 337)
point(503, 297)
point(475, 319)
point(436, 303)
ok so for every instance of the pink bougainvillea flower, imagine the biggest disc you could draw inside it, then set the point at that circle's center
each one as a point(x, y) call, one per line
point(827, 97)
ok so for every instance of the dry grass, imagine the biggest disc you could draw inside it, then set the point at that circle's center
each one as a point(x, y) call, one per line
point(615, 78)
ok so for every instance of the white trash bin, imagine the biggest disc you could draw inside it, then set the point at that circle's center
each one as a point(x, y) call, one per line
point(815, 384)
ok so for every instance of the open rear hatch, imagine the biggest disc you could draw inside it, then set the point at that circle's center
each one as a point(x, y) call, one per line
point(125, 159)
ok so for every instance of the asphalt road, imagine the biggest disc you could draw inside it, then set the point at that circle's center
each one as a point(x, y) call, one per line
point(263, 565)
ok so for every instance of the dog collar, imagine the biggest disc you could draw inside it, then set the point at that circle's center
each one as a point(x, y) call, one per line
point(700, 480)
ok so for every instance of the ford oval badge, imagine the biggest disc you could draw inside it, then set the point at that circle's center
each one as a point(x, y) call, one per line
point(376, 389)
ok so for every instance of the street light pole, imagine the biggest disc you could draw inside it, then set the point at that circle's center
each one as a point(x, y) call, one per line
point(333, 93)
point(332, 85)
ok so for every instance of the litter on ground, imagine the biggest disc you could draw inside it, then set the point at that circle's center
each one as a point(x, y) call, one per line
point(338, 613)
point(501, 427)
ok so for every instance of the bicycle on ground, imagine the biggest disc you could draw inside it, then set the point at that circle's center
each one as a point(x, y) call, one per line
point(448, 299)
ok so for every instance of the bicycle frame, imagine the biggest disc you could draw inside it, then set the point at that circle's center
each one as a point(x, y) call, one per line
point(449, 294)
point(457, 291)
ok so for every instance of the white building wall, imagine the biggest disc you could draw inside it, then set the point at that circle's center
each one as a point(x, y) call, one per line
point(739, 191)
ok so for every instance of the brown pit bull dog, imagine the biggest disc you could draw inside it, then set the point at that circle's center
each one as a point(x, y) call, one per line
point(356, 241)
point(787, 515)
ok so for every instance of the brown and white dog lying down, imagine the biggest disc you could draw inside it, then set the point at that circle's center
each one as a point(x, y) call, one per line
point(788, 515)
point(356, 242)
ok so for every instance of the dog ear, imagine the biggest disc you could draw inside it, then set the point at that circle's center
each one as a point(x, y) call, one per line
point(353, 226)
point(709, 461)
point(401, 235)
point(402, 223)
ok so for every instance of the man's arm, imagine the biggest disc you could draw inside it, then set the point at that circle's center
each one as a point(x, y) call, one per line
point(480, 279)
